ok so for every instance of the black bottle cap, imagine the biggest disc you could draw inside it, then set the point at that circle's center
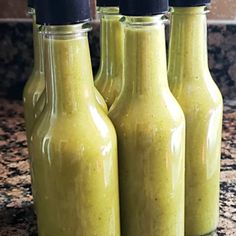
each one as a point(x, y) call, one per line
point(189, 3)
point(143, 7)
point(108, 3)
point(62, 12)
point(31, 3)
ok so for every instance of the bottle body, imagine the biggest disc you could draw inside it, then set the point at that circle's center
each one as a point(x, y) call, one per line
point(108, 80)
point(192, 85)
point(36, 83)
point(151, 135)
point(74, 147)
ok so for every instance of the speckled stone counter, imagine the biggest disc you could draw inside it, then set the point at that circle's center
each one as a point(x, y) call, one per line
point(16, 211)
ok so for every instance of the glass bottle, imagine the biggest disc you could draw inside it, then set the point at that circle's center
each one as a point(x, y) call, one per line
point(192, 85)
point(108, 80)
point(73, 144)
point(150, 127)
point(36, 83)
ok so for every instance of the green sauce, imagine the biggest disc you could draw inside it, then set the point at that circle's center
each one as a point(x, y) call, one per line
point(201, 101)
point(150, 127)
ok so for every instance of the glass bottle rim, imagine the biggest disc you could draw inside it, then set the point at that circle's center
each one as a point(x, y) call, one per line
point(200, 10)
point(69, 30)
point(108, 10)
point(31, 11)
point(138, 21)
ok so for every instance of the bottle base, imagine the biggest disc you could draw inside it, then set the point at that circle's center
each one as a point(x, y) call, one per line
point(212, 233)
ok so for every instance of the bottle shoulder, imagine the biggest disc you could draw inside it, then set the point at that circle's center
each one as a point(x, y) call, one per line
point(160, 113)
point(77, 126)
point(195, 89)
point(103, 81)
point(205, 95)
point(35, 84)
point(72, 140)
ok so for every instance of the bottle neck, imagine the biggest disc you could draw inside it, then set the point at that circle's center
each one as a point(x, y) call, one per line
point(68, 71)
point(145, 55)
point(188, 41)
point(111, 37)
point(36, 42)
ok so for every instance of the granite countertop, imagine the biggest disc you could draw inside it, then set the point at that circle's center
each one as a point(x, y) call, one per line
point(16, 211)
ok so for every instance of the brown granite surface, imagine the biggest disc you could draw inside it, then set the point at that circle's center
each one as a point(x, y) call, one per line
point(16, 212)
